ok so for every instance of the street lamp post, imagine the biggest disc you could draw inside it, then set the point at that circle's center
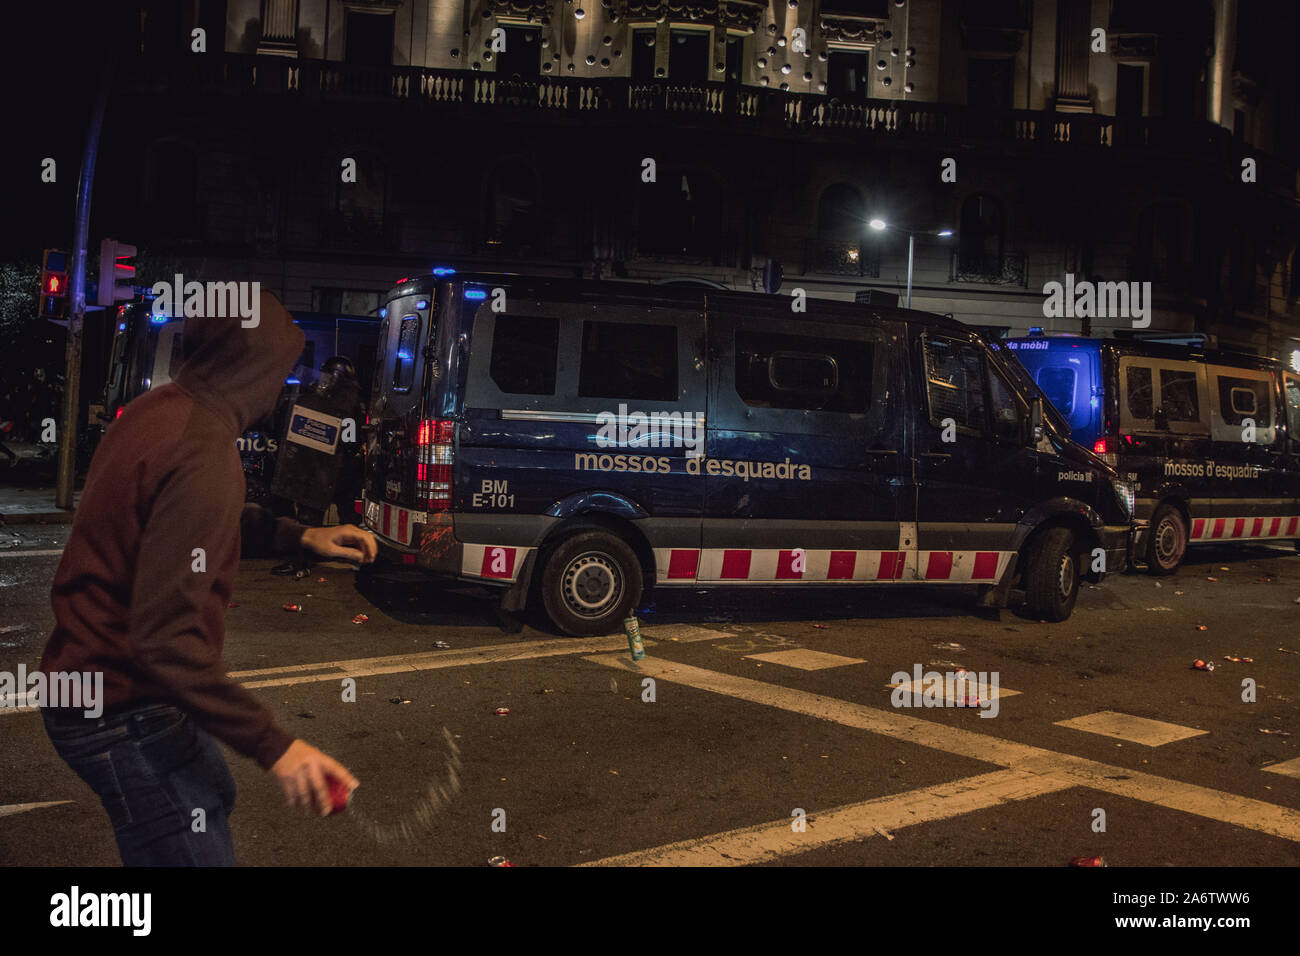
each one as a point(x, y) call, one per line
point(879, 225)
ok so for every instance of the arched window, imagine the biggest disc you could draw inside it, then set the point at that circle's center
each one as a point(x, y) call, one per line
point(981, 236)
point(1162, 234)
point(510, 213)
point(681, 215)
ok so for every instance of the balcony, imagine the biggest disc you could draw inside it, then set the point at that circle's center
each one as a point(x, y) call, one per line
point(840, 258)
point(468, 95)
point(1006, 269)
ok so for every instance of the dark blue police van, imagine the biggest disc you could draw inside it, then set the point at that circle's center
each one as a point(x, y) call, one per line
point(1210, 438)
point(583, 441)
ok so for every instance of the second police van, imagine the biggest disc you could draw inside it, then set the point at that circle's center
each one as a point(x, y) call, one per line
point(1211, 438)
point(582, 441)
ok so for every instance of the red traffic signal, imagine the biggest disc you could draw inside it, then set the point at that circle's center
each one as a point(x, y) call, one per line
point(54, 285)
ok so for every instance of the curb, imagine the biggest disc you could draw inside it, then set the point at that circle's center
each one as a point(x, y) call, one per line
point(48, 517)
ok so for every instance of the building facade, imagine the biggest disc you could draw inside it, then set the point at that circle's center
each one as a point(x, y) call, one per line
point(327, 147)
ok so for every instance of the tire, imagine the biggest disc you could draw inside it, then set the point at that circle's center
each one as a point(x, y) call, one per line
point(1166, 541)
point(1052, 576)
point(590, 582)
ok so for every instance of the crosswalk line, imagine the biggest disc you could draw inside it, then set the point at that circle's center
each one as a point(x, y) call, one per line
point(805, 659)
point(1288, 768)
point(769, 842)
point(1136, 730)
point(907, 726)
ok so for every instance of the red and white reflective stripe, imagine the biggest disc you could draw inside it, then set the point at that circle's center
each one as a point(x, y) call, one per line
point(793, 566)
point(493, 561)
point(1244, 529)
point(397, 523)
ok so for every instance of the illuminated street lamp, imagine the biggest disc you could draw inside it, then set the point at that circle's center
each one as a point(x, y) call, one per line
point(879, 225)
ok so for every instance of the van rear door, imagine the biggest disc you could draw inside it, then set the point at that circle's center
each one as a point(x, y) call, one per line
point(805, 478)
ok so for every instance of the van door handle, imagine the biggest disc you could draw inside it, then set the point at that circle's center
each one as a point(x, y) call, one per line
point(936, 454)
point(882, 451)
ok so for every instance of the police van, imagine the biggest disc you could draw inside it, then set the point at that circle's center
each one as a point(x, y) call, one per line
point(1211, 438)
point(582, 441)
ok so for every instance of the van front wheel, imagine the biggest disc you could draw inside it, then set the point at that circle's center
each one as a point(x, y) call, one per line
point(590, 583)
point(1052, 576)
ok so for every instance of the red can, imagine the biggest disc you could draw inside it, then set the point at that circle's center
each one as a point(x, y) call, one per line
point(293, 607)
point(340, 795)
point(1201, 665)
point(1088, 861)
point(502, 711)
point(499, 861)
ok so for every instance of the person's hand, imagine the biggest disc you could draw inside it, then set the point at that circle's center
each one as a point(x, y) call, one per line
point(344, 541)
point(303, 772)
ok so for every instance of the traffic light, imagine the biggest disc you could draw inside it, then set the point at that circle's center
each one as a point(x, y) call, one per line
point(116, 278)
point(54, 284)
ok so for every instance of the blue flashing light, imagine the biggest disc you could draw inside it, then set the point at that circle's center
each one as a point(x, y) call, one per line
point(475, 294)
point(1094, 403)
point(383, 313)
point(292, 381)
point(158, 318)
point(1035, 330)
point(422, 304)
point(444, 271)
point(404, 354)
point(122, 327)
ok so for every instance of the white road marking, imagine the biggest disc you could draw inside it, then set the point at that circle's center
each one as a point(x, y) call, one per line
point(1200, 801)
point(1289, 768)
point(31, 553)
point(1137, 730)
point(769, 842)
point(24, 807)
point(805, 659)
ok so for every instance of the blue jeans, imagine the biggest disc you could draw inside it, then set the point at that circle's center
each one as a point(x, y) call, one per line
point(153, 768)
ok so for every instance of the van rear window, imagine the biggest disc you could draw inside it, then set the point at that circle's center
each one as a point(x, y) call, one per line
point(1141, 403)
point(1178, 396)
point(628, 360)
point(408, 340)
point(794, 371)
point(524, 349)
point(1058, 384)
point(1242, 398)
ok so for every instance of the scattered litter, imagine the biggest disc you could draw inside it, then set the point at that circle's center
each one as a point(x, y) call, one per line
point(1267, 579)
point(1179, 593)
point(613, 685)
point(360, 619)
point(542, 836)
point(1285, 651)
point(1200, 665)
point(884, 833)
point(1202, 627)
point(307, 595)
point(232, 604)
point(1215, 580)
point(1159, 609)
point(320, 580)
point(1159, 585)
point(822, 627)
point(1278, 733)
point(293, 607)
point(499, 861)
point(951, 665)
point(441, 644)
point(947, 646)
point(308, 714)
point(1239, 660)
point(614, 772)
point(1087, 861)
point(1223, 569)
point(546, 690)
point(633, 628)
point(502, 711)
point(399, 700)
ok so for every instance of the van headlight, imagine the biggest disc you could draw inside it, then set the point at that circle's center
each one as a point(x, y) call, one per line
point(1126, 492)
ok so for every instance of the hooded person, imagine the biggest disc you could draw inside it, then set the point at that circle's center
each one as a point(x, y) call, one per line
point(140, 598)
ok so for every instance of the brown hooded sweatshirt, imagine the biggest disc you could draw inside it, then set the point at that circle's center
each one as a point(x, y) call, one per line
point(133, 597)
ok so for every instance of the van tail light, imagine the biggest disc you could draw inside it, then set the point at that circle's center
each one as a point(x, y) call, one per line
point(1105, 449)
point(435, 455)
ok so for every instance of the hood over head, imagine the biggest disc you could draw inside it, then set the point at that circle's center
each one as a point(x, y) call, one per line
point(240, 371)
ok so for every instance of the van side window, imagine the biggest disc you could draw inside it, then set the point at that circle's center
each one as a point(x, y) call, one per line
point(1006, 410)
point(954, 374)
point(524, 349)
point(1178, 396)
point(1293, 409)
point(1058, 384)
point(1140, 396)
point(792, 371)
point(408, 340)
point(1242, 398)
point(628, 360)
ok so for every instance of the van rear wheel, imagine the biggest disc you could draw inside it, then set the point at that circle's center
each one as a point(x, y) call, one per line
point(1167, 541)
point(1052, 576)
point(590, 583)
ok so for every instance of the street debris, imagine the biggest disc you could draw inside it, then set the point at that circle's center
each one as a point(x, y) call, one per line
point(320, 580)
point(1087, 861)
point(1201, 665)
point(1239, 660)
point(499, 861)
point(297, 608)
point(232, 604)
point(822, 627)
point(308, 714)
point(948, 646)
point(546, 690)
point(1277, 733)
point(1201, 627)
point(502, 711)
point(360, 619)
point(443, 645)
point(633, 628)
point(399, 700)
point(1215, 580)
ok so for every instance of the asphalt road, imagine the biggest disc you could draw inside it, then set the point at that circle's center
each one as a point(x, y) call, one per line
point(717, 767)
